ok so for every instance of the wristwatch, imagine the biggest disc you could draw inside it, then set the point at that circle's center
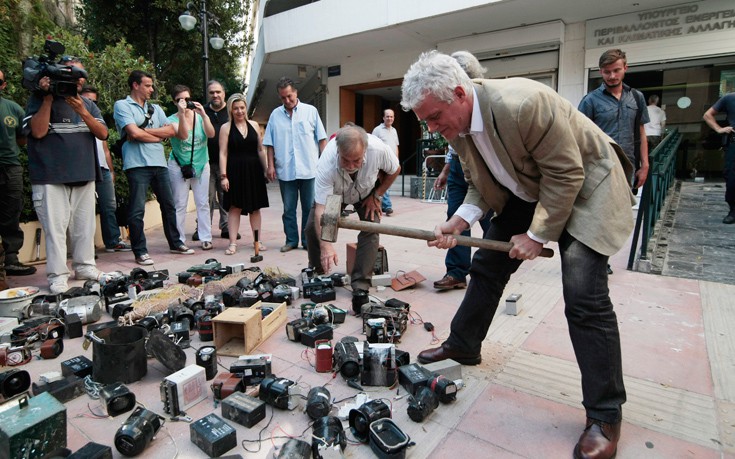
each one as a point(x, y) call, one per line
point(379, 197)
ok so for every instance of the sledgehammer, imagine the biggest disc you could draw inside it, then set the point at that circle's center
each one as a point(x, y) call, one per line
point(257, 257)
point(331, 222)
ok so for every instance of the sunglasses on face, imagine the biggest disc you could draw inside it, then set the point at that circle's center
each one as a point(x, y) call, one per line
point(188, 99)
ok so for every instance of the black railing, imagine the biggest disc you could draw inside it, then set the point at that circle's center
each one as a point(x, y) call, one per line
point(661, 176)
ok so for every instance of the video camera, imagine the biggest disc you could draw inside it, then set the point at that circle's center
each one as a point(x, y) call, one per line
point(63, 77)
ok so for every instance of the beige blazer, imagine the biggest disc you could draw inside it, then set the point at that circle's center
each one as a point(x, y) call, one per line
point(575, 170)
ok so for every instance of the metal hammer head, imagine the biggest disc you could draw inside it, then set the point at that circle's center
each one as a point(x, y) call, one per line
point(330, 218)
point(256, 258)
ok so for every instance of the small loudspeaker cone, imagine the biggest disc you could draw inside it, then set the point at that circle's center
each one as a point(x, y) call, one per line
point(14, 382)
point(117, 399)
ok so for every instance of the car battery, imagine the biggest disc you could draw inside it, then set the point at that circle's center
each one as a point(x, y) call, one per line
point(323, 295)
point(336, 315)
point(92, 451)
point(252, 371)
point(243, 409)
point(35, 428)
point(80, 366)
point(213, 435)
point(312, 335)
point(296, 327)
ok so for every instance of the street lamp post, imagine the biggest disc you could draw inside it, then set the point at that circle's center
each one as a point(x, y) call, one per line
point(188, 22)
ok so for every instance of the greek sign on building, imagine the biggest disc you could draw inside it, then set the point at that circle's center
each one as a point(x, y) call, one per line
point(670, 22)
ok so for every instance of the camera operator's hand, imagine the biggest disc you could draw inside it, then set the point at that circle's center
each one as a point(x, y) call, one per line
point(77, 104)
point(44, 84)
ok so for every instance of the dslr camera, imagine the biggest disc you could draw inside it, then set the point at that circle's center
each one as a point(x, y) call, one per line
point(63, 77)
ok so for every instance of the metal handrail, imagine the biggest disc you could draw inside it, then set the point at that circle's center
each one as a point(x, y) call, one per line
point(662, 174)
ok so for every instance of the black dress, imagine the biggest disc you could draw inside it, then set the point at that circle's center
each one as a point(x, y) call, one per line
point(245, 172)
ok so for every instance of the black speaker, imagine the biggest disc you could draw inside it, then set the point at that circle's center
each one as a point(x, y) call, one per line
point(14, 382)
point(361, 418)
point(117, 399)
point(137, 432)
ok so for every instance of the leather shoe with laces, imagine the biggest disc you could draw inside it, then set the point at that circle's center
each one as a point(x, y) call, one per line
point(443, 353)
point(448, 282)
point(599, 440)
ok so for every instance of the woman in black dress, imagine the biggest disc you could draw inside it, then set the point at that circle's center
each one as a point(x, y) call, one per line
point(244, 162)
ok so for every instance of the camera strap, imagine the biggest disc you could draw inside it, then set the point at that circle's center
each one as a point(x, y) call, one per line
point(193, 135)
point(142, 125)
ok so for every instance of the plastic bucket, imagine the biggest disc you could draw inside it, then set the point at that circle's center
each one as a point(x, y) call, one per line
point(119, 355)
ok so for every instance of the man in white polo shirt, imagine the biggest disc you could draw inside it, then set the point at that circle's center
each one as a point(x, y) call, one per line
point(388, 134)
point(360, 168)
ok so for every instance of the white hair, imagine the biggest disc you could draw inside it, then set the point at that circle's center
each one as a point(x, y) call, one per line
point(469, 64)
point(433, 73)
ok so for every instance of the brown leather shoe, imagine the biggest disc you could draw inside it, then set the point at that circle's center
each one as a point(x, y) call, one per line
point(448, 282)
point(443, 353)
point(599, 440)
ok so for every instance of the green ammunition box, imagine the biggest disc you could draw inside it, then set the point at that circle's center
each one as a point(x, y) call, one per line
point(35, 428)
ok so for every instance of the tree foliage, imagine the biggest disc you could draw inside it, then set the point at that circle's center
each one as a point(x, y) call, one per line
point(153, 30)
point(23, 32)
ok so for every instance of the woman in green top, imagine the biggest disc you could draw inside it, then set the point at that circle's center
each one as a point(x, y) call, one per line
point(191, 152)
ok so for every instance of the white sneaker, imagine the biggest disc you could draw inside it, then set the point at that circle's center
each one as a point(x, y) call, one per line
point(92, 274)
point(58, 287)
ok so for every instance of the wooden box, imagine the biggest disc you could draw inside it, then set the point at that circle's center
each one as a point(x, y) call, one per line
point(237, 331)
point(272, 321)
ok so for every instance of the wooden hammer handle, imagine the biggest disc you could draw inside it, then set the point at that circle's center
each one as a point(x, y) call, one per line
point(413, 233)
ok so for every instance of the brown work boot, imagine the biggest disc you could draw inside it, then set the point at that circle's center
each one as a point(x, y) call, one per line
point(599, 440)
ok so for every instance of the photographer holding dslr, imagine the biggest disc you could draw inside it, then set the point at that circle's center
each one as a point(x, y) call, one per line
point(62, 161)
point(188, 165)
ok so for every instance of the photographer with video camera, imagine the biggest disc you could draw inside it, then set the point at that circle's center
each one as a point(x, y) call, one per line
point(188, 164)
point(62, 127)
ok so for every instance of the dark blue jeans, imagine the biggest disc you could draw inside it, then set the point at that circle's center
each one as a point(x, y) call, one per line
point(139, 178)
point(11, 203)
point(107, 205)
point(592, 323)
point(730, 175)
point(290, 192)
point(457, 259)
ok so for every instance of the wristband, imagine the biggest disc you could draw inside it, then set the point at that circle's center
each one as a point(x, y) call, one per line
point(223, 176)
point(378, 196)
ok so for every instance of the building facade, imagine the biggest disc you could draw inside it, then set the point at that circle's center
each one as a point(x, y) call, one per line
point(348, 56)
